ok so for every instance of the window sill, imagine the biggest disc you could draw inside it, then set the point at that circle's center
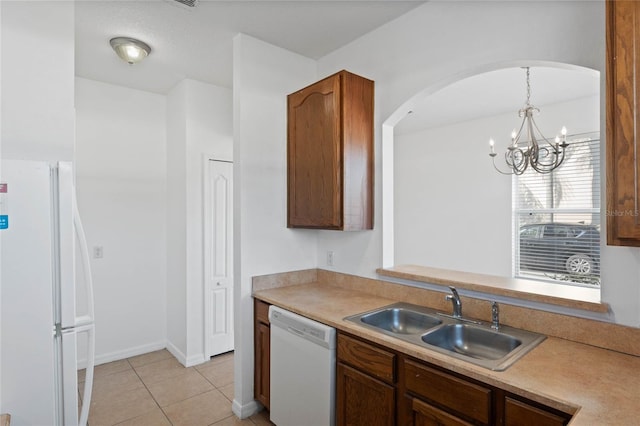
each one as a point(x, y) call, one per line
point(582, 298)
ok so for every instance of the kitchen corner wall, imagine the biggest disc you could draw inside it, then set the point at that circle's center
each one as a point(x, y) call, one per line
point(263, 76)
point(199, 124)
point(139, 164)
point(121, 187)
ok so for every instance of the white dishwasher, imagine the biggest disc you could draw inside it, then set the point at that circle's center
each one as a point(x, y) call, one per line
point(303, 370)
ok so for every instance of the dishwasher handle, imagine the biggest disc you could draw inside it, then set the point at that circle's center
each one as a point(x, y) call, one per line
point(306, 328)
point(296, 331)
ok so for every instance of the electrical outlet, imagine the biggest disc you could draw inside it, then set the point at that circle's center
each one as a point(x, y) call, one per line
point(329, 258)
point(98, 252)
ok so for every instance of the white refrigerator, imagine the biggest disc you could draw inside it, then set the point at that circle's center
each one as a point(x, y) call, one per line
point(46, 297)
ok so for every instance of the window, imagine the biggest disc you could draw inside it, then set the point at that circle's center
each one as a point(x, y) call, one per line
point(556, 218)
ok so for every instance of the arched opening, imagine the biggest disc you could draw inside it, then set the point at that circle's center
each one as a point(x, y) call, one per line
point(444, 205)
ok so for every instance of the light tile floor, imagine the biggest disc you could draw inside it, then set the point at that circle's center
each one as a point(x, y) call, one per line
point(154, 389)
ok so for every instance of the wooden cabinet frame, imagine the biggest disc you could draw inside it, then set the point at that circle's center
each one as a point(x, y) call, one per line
point(330, 154)
point(262, 352)
point(623, 123)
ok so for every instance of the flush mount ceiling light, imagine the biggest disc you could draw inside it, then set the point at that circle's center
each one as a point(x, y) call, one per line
point(129, 49)
point(542, 155)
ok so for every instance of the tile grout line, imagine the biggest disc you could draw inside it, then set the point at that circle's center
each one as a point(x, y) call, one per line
point(150, 394)
point(194, 368)
point(182, 400)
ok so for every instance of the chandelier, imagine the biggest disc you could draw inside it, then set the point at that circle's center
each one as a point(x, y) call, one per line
point(542, 155)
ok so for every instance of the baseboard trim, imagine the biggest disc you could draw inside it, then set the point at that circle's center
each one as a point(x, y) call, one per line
point(125, 353)
point(182, 358)
point(177, 353)
point(195, 360)
point(246, 410)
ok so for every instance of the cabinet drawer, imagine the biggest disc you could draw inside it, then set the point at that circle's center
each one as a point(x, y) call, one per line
point(427, 415)
point(368, 358)
point(261, 311)
point(518, 413)
point(463, 397)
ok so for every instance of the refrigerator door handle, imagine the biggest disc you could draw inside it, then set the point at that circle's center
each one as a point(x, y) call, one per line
point(88, 384)
point(84, 255)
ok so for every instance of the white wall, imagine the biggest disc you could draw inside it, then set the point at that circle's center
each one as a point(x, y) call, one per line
point(199, 123)
point(463, 222)
point(263, 76)
point(121, 186)
point(441, 42)
point(37, 80)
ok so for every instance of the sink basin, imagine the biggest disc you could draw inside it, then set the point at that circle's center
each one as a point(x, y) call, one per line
point(401, 320)
point(464, 339)
point(472, 341)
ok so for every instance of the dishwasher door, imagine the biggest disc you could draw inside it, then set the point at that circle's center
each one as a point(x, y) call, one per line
point(303, 370)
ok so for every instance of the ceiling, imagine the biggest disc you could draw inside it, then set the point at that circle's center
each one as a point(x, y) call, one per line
point(497, 92)
point(197, 43)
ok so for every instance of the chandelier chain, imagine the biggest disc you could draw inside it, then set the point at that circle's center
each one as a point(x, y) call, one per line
point(528, 88)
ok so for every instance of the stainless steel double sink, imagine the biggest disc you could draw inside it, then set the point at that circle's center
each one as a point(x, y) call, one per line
point(463, 339)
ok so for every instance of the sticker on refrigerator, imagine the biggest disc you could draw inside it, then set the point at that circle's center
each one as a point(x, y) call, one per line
point(4, 210)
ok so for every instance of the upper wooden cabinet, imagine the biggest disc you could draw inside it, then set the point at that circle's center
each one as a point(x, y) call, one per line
point(623, 113)
point(330, 154)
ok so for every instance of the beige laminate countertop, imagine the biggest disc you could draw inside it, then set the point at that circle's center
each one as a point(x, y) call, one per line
point(599, 386)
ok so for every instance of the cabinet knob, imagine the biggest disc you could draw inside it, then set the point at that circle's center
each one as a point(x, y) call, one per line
point(218, 283)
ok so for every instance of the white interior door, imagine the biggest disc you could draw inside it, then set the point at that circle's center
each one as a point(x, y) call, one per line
point(218, 241)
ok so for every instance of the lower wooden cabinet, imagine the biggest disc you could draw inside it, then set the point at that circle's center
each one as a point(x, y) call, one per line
point(363, 400)
point(378, 386)
point(365, 383)
point(262, 352)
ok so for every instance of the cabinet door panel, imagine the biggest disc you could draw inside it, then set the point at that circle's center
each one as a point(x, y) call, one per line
point(362, 400)
point(314, 156)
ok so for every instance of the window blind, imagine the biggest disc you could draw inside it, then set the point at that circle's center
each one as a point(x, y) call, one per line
point(556, 218)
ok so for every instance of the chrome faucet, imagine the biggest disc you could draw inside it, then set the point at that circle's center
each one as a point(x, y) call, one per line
point(495, 316)
point(454, 298)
